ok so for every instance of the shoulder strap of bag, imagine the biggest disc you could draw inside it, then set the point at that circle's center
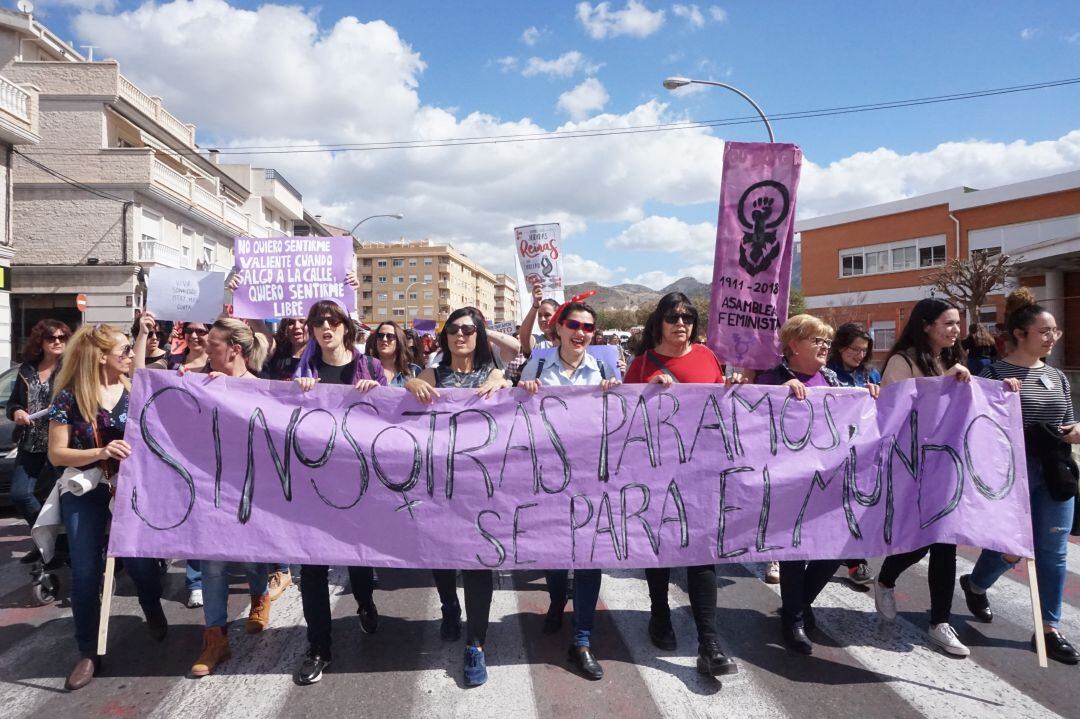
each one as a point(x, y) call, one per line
point(659, 364)
point(540, 367)
point(603, 369)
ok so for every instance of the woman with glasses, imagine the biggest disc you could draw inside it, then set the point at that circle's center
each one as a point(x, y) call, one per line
point(193, 358)
point(849, 359)
point(391, 350)
point(331, 358)
point(1045, 399)
point(32, 393)
point(289, 341)
point(667, 356)
point(928, 346)
point(805, 341)
point(466, 362)
point(574, 325)
point(86, 430)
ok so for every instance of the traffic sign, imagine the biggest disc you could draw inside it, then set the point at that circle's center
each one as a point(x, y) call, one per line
point(80, 302)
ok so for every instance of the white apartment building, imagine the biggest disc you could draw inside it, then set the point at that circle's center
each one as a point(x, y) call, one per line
point(116, 186)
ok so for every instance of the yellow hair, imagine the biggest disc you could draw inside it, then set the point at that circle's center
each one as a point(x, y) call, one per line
point(802, 327)
point(80, 370)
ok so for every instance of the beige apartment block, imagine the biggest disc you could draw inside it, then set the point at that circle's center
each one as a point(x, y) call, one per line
point(116, 187)
point(404, 280)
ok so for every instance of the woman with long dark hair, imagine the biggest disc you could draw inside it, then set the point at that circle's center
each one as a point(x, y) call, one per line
point(193, 358)
point(389, 345)
point(1046, 406)
point(331, 357)
point(290, 339)
point(149, 346)
point(32, 393)
point(980, 347)
point(929, 346)
point(667, 355)
point(466, 362)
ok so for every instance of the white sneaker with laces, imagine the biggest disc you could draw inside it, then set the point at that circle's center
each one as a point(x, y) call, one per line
point(194, 599)
point(772, 573)
point(885, 601)
point(944, 636)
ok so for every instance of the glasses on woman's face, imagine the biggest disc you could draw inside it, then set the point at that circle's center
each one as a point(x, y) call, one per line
point(860, 351)
point(575, 325)
point(1051, 334)
point(196, 331)
point(125, 351)
point(453, 328)
point(328, 319)
point(386, 337)
point(61, 338)
point(820, 341)
point(673, 318)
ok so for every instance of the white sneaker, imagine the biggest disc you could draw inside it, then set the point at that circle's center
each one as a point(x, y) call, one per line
point(194, 599)
point(885, 601)
point(944, 636)
point(772, 573)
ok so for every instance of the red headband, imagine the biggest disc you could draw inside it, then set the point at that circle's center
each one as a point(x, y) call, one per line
point(557, 317)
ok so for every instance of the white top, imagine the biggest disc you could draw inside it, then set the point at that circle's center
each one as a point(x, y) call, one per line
point(586, 374)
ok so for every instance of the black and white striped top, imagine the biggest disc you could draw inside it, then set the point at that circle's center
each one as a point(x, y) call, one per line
point(1039, 402)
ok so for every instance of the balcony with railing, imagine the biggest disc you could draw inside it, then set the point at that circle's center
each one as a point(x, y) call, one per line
point(151, 249)
point(188, 189)
point(151, 107)
point(18, 111)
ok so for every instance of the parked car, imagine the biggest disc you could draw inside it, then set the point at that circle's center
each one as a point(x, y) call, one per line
point(7, 429)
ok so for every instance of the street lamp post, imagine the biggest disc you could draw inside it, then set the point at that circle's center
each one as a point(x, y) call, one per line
point(411, 285)
point(395, 215)
point(673, 83)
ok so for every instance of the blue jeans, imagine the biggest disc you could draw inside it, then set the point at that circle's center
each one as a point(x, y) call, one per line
point(586, 594)
point(86, 520)
point(215, 581)
point(193, 575)
point(1051, 521)
point(28, 466)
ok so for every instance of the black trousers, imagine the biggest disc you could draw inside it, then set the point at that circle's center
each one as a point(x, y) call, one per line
point(941, 577)
point(479, 587)
point(800, 583)
point(700, 585)
point(315, 597)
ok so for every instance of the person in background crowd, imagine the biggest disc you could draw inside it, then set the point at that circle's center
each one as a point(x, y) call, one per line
point(467, 361)
point(31, 393)
point(415, 348)
point(805, 341)
point(667, 356)
point(574, 324)
point(193, 358)
point(331, 357)
point(980, 348)
point(290, 339)
point(999, 339)
point(391, 350)
point(849, 359)
point(538, 315)
point(233, 350)
point(149, 352)
point(928, 346)
point(1045, 402)
point(86, 430)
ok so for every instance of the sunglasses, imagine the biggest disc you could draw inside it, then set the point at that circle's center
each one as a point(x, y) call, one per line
point(688, 318)
point(453, 328)
point(577, 325)
point(386, 337)
point(328, 319)
point(126, 351)
point(57, 338)
point(196, 331)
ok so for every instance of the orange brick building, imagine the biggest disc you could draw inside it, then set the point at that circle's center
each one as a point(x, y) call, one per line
point(868, 265)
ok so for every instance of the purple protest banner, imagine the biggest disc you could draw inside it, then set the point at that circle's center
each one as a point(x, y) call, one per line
point(642, 476)
point(752, 266)
point(285, 276)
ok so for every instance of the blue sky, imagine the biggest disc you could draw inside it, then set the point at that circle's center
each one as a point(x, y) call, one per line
point(634, 208)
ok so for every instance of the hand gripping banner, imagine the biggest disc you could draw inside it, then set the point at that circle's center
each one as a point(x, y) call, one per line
point(641, 476)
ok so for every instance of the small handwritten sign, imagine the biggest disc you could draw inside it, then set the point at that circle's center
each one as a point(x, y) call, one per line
point(185, 295)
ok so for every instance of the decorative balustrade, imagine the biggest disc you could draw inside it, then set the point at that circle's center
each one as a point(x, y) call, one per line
point(14, 99)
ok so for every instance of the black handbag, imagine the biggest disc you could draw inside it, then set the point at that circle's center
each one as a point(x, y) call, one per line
point(1062, 476)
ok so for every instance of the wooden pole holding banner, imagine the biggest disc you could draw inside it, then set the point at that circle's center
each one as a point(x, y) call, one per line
point(106, 605)
point(1036, 614)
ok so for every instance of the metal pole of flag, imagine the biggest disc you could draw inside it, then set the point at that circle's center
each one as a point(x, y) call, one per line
point(673, 83)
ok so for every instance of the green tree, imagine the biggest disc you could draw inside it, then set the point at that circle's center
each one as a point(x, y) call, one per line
point(796, 304)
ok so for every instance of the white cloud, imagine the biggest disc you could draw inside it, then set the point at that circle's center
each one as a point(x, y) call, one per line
point(690, 13)
point(653, 279)
point(507, 64)
point(578, 269)
point(718, 14)
point(531, 35)
point(635, 20)
point(1073, 39)
point(585, 99)
point(1029, 33)
point(565, 65)
point(668, 234)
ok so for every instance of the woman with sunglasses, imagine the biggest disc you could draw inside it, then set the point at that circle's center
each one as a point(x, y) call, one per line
point(31, 393)
point(572, 366)
point(667, 356)
point(390, 348)
point(289, 341)
point(928, 346)
point(86, 430)
point(193, 358)
point(805, 342)
point(331, 358)
point(466, 362)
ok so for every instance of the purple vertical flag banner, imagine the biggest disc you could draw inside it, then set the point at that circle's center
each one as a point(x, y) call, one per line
point(284, 276)
point(639, 476)
point(754, 246)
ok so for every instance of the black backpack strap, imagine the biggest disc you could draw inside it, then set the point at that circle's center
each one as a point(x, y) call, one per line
point(603, 369)
point(651, 356)
point(540, 367)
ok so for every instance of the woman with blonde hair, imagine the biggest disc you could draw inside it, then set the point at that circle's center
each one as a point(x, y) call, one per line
point(86, 430)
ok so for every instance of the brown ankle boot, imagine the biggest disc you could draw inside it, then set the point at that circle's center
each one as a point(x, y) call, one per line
point(215, 650)
point(259, 618)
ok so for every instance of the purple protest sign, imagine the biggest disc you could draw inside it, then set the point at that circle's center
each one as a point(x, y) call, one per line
point(641, 476)
point(285, 276)
point(752, 266)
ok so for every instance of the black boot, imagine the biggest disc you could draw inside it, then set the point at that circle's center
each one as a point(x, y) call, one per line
point(712, 661)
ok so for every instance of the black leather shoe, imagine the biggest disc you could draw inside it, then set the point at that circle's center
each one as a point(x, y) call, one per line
point(34, 555)
point(809, 622)
point(450, 629)
point(156, 623)
point(553, 619)
point(583, 659)
point(795, 638)
point(978, 604)
point(712, 661)
point(1059, 649)
point(662, 634)
point(369, 618)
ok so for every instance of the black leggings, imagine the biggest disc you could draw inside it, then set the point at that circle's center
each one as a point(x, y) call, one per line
point(700, 585)
point(941, 577)
point(479, 587)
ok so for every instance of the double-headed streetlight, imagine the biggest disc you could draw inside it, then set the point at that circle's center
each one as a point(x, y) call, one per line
point(673, 83)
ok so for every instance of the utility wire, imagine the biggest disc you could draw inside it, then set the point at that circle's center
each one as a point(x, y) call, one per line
point(68, 180)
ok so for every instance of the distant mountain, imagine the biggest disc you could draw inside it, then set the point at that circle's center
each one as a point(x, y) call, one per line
point(688, 286)
point(630, 296)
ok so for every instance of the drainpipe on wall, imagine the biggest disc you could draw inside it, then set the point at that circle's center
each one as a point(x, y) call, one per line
point(956, 253)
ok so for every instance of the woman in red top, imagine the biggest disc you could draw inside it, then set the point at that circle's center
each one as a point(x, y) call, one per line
point(668, 356)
